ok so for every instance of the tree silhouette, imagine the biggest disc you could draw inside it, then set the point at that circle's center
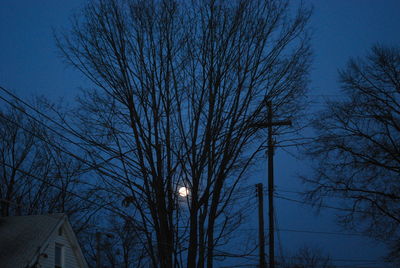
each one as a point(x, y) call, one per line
point(36, 175)
point(357, 146)
point(307, 257)
point(177, 85)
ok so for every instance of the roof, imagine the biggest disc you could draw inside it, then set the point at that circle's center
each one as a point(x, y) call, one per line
point(21, 237)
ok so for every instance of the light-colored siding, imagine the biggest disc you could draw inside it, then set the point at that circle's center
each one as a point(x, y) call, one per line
point(70, 260)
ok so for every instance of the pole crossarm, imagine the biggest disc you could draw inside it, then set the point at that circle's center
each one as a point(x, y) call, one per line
point(270, 153)
point(267, 124)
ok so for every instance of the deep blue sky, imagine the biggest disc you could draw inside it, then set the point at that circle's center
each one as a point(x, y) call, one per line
point(29, 65)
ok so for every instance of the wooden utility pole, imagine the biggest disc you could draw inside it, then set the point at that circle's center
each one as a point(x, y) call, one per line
point(98, 250)
point(271, 190)
point(261, 235)
point(269, 124)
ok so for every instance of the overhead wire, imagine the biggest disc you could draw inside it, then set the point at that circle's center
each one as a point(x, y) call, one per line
point(358, 261)
point(57, 147)
point(74, 133)
point(113, 209)
point(279, 196)
point(248, 190)
point(250, 187)
point(353, 262)
point(124, 214)
point(318, 205)
point(103, 170)
point(101, 206)
point(53, 145)
point(305, 231)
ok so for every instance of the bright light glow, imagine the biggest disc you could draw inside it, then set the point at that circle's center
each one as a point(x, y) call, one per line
point(183, 191)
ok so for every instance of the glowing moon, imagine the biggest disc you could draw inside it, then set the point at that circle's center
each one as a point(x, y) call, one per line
point(183, 191)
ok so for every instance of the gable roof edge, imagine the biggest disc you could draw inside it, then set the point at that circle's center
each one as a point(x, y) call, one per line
point(75, 245)
point(71, 238)
point(36, 257)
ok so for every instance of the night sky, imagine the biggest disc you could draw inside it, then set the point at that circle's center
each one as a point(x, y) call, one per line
point(30, 65)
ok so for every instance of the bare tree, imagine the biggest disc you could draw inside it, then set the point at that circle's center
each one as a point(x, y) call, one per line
point(177, 85)
point(36, 176)
point(307, 257)
point(124, 249)
point(357, 146)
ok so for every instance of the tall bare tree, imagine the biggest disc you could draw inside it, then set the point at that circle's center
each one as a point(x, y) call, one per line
point(357, 147)
point(177, 85)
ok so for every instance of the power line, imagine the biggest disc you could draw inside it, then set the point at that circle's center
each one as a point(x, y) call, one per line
point(67, 191)
point(320, 232)
point(323, 195)
point(103, 206)
point(310, 204)
point(370, 261)
point(319, 205)
point(59, 148)
point(55, 146)
point(74, 133)
point(116, 178)
point(246, 257)
point(354, 262)
point(279, 196)
point(307, 232)
point(99, 206)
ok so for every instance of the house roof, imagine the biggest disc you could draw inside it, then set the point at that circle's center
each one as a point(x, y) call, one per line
point(21, 237)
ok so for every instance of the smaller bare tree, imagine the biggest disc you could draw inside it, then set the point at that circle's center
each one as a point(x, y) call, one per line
point(307, 257)
point(37, 175)
point(357, 148)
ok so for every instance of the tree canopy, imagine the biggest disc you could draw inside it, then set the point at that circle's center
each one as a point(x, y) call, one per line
point(357, 149)
point(177, 86)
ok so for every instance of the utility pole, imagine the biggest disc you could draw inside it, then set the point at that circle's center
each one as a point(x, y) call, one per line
point(271, 190)
point(261, 235)
point(98, 246)
point(98, 249)
point(269, 124)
